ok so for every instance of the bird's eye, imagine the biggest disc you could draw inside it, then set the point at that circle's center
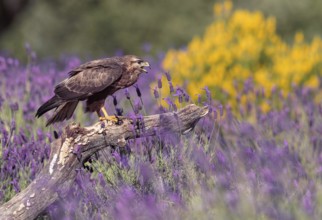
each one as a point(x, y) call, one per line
point(137, 61)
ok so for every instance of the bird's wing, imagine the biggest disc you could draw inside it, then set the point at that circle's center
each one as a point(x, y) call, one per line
point(88, 79)
point(90, 65)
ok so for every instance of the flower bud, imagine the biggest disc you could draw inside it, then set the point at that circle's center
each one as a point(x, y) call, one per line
point(159, 83)
point(127, 94)
point(137, 89)
point(114, 100)
point(156, 93)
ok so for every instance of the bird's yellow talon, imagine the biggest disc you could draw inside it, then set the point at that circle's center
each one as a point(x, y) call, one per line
point(109, 118)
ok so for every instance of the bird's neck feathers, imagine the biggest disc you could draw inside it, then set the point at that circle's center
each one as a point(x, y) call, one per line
point(135, 75)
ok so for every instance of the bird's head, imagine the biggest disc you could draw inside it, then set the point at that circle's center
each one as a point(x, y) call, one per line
point(136, 64)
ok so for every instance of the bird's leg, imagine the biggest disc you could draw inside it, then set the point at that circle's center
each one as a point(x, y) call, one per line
point(106, 116)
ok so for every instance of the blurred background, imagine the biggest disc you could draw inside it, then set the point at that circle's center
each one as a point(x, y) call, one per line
point(257, 155)
point(97, 28)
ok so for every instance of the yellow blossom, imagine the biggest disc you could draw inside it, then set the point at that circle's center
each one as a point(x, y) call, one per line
point(265, 107)
point(241, 44)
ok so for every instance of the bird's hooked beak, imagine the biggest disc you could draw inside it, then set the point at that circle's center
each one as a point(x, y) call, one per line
point(145, 64)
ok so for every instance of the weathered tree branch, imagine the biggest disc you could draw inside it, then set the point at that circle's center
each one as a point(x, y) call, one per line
point(77, 144)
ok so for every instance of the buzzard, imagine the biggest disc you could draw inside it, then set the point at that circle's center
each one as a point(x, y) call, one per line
point(93, 82)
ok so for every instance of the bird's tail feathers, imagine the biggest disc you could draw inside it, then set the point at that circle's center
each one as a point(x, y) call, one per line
point(52, 103)
point(64, 111)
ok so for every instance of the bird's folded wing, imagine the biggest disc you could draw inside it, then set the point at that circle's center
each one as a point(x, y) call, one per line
point(87, 80)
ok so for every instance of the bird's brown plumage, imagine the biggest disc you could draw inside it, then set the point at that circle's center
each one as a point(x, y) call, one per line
point(92, 81)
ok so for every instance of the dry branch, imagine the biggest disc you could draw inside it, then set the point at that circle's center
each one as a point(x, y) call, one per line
point(60, 171)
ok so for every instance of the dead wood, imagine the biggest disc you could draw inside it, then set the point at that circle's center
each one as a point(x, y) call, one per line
point(77, 144)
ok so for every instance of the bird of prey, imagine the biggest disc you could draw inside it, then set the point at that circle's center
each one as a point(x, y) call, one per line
point(93, 82)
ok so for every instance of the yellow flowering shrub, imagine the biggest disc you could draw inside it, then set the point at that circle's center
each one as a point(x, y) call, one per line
point(241, 44)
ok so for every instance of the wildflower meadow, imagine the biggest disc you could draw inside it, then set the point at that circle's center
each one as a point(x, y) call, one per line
point(256, 155)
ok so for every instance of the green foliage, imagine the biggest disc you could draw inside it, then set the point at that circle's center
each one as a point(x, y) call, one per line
point(102, 27)
point(96, 27)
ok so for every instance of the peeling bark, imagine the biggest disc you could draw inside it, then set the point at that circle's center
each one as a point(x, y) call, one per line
point(59, 172)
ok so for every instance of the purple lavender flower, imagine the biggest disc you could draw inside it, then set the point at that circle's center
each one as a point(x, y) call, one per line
point(146, 174)
point(3, 64)
point(199, 99)
point(1, 100)
point(308, 199)
point(28, 48)
point(15, 184)
point(208, 93)
point(159, 83)
point(137, 89)
point(137, 106)
point(179, 93)
point(119, 111)
point(167, 74)
point(14, 107)
point(171, 103)
point(13, 125)
point(221, 110)
point(156, 93)
point(186, 97)
point(171, 87)
point(114, 100)
point(215, 113)
point(127, 94)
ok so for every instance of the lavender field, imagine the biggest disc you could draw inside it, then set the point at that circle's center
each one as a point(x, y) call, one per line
point(238, 162)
